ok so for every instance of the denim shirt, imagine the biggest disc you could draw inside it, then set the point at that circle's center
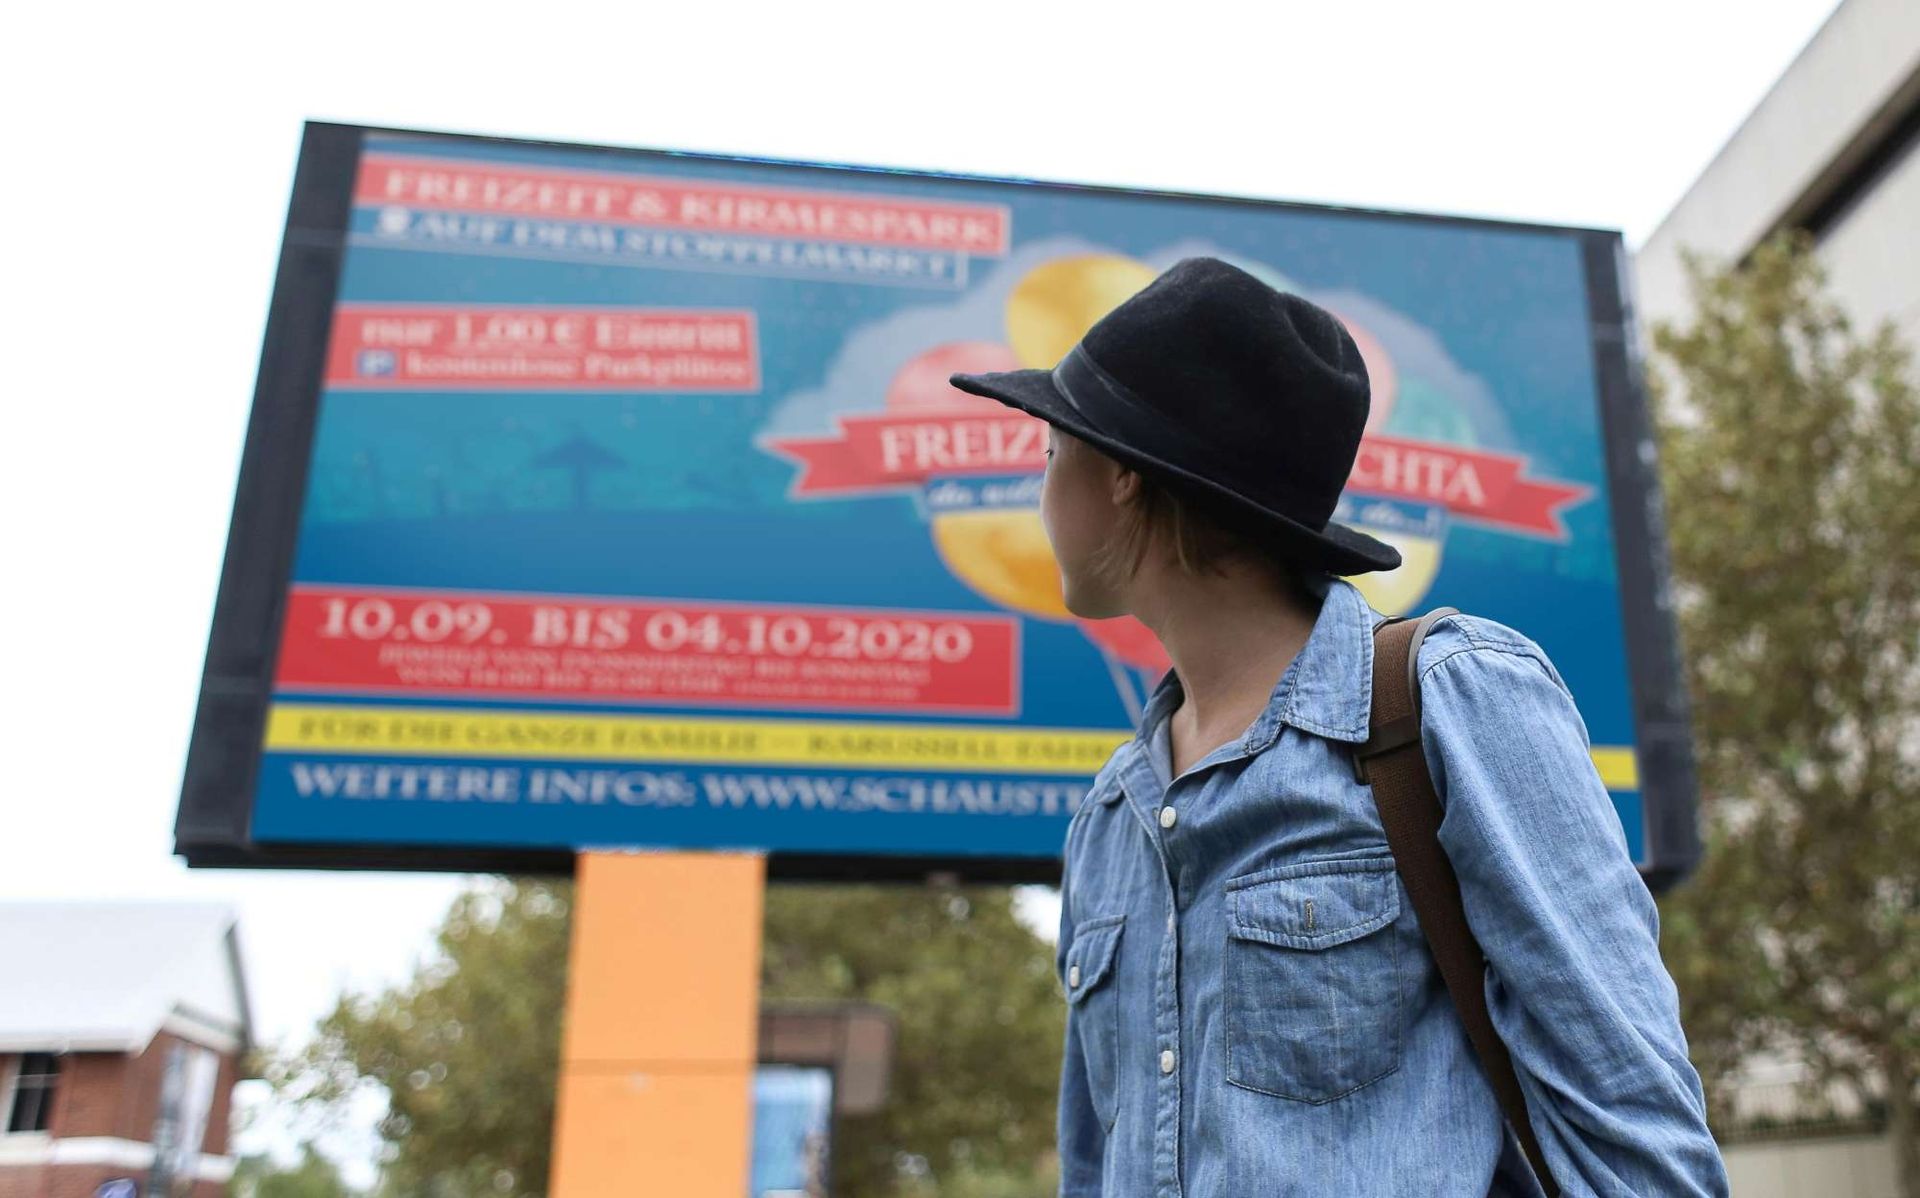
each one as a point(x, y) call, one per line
point(1252, 1009)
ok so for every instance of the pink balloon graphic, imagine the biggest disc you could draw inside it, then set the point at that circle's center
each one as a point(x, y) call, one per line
point(1383, 379)
point(1130, 641)
point(922, 383)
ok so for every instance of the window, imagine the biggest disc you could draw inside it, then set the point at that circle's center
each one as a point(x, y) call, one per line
point(32, 1094)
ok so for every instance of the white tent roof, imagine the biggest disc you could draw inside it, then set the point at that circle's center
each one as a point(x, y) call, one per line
point(104, 977)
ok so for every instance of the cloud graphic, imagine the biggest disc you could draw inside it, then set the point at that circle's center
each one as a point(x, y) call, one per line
point(1419, 358)
point(857, 378)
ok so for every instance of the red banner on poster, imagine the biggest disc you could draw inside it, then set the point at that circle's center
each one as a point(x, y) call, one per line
point(893, 450)
point(1470, 483)
point(453, 643)
point(886, 450)
point(561, 194)
point(402, 346)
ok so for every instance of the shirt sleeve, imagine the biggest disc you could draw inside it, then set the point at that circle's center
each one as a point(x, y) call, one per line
point(1575, 983)
point(1081, 1139)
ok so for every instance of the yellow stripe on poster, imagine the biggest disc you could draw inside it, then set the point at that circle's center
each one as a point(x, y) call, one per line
point(425, 732)
point(456, 732)
point(1619, 769)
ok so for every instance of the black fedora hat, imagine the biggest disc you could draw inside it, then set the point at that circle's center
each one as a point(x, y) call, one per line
point(1249, 399)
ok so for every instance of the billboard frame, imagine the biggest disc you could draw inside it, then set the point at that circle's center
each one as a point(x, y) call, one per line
point(213, 825)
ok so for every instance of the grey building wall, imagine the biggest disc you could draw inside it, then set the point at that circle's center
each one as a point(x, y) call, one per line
point(1831, 149)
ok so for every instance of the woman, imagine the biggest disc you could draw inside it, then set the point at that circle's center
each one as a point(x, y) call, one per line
point(1253, 1009)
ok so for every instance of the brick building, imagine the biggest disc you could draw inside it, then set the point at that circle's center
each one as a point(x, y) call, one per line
point(121, 1025)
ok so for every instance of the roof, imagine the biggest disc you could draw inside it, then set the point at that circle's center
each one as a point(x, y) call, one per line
point(106, 977)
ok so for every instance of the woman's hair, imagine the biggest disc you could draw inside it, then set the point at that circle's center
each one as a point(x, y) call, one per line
point(1202, 535)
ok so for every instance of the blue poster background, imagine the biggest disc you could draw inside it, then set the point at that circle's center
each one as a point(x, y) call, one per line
point(1488, 327)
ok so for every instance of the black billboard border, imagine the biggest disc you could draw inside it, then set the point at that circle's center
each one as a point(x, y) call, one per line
point(1663, 736)
point(223, 757)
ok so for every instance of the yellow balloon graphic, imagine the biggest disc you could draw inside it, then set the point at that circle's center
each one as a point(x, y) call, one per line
point(1398, 592)
point(1055, 304)
point(1004, 556)
point(1002, 553)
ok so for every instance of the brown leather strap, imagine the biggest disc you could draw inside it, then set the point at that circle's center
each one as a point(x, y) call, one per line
point(1393, 760)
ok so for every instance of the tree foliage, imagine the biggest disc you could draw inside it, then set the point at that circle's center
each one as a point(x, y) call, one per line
point(313, 1177)
point(468, 1049)
point(977, 1057)
point(1789, 447)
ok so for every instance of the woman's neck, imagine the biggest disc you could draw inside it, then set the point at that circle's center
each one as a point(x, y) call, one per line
point(1230, 638)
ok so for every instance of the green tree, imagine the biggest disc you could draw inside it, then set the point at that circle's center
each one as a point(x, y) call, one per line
point(468, 1049)
point(314, 1177)
point(1791, 462)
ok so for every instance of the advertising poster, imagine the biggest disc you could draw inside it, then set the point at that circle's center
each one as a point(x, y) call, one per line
point(637, 509)
point(792, 1131)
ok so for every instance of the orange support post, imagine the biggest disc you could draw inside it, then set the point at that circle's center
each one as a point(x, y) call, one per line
point(663, 996)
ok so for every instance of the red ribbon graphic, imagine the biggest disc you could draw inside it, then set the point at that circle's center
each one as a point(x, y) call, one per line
point(1472, 484)
point(891, 450)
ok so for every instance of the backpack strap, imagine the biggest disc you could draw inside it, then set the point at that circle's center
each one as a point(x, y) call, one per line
point(1394, 763)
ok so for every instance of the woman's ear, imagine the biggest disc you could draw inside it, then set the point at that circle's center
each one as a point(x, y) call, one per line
point(1126, 485)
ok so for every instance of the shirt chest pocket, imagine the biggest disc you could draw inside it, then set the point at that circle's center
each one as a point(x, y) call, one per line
point(1094, 1008)
point(1312, 986)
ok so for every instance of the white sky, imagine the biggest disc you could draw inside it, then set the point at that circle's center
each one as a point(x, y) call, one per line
point(151, 146)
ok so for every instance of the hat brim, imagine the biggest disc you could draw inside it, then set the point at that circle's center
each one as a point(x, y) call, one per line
point(1336, 548)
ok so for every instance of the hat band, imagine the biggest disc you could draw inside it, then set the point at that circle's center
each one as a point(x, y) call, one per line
point(1110, 406)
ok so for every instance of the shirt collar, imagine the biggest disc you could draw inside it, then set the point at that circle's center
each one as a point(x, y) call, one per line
point(1327, 689)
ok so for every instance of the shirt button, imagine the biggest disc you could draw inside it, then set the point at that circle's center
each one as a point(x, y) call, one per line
point(1168, 817)
point(1073, 975)
point(1166, 1060)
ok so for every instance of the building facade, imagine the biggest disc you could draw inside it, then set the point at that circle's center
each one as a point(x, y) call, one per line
point(1829, 150)
point(123, 1028)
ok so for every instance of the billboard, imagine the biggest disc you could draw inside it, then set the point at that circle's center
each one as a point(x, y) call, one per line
point(603, 498)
